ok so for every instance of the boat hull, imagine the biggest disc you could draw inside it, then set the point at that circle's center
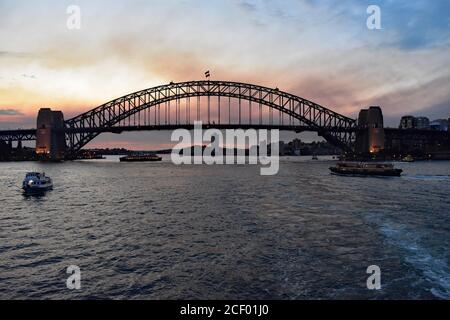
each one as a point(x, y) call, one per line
point(30, 190)
point(366, 172)
point(140, 160)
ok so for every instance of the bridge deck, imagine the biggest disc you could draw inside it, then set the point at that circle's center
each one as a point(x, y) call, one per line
point(30, 134)
point(16, 135)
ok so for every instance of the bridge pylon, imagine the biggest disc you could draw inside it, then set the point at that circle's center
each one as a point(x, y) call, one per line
point(50, 137)
point(370, 137)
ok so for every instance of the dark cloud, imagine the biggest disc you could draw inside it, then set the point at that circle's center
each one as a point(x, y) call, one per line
point(438, 111)
point(10, 112)
point(431, 99)
point(337, 94)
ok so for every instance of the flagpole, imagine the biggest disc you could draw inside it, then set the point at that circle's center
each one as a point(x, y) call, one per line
point(208, 75)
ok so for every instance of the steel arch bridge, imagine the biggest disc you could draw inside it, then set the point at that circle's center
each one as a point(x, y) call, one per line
point(150, 109)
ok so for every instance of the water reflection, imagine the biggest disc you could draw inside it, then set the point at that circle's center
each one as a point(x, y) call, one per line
point(35, 194)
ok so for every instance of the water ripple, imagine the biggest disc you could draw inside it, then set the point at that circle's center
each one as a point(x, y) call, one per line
point(157, 231)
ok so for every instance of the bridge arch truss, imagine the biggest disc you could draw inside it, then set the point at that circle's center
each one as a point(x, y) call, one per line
point(334, 127)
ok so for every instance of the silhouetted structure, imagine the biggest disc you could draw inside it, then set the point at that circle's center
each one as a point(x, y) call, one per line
point(5, 150)
point(177, 106)
point(439, 125)
point(407, 122)
point(370, 137)
point(50, 136)
point(422, 144)
point(422, 123)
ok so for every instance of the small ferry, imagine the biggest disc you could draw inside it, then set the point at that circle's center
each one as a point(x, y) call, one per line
point(37, 182)
point(142, 157)
point(366, 169)
point(408, 158)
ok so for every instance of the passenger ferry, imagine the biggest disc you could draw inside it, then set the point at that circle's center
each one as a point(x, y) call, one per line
point(37, 182)
point(366, 169)
point(143, 157)
point(408, 158)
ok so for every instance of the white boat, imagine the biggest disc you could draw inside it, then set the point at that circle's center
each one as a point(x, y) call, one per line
point(37, 182)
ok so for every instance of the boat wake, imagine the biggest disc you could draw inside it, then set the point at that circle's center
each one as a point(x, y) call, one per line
point(427, 177)
point(435, 269)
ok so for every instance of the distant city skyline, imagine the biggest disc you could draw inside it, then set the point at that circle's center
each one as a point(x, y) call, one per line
point(319, 50)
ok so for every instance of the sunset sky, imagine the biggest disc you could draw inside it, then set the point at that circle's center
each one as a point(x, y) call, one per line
point(321, 50)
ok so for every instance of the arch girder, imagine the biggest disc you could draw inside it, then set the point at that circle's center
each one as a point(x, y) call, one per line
point(320, 119)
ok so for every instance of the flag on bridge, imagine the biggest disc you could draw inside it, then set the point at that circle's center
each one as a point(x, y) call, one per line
point(207, 74)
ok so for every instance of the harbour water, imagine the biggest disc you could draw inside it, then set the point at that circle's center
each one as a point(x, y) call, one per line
point(160, 231)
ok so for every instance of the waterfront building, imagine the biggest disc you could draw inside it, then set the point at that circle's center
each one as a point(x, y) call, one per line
point(410, 122)
point(282, 148)
point(439, 125)
point(296, 146)
point(422, 123)
point(407, 122)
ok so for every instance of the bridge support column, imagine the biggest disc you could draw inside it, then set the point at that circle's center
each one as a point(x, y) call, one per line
point(5, 151)
point(370, 139)
point(50, 137)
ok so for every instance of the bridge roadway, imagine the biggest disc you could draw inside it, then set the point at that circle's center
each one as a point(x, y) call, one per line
point(30, 134)
point(18, 135)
